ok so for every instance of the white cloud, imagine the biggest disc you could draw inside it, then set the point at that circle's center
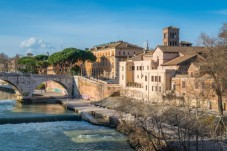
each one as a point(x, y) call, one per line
point(33, 44)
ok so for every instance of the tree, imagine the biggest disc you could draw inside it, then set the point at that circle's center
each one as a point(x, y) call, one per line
point(3, 58)
point(41, 61)
point(69, 56)
point(41, 57)
point(27, 65)
point(214, 64)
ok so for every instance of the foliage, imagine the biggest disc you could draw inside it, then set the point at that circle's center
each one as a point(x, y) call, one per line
point(41, 87)
point(27, 65)
point(41, 57)
point(75, 70)
point(70, 56)
point(32, 64)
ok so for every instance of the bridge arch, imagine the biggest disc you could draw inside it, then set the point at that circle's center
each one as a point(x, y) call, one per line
point(61, 87)
point(25, 84)
point(14, 87)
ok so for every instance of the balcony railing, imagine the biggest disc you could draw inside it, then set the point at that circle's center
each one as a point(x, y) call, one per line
point(134, 85)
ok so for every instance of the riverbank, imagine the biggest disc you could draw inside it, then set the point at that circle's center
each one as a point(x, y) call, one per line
point(152, 127)
point(95, 114)
point(101, 114)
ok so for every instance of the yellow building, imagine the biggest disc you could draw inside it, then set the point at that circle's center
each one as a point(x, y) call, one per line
point(108, 57)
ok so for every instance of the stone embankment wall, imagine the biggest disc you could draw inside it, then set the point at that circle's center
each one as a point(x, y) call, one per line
point(95, 90)
point(139, 95)
point(170, 99)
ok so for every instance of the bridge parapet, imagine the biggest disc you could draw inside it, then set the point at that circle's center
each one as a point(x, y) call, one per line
point(24, 84)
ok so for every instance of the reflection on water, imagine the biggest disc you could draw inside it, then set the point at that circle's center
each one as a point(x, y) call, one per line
point(6, 96)
point(9, 108)
point(56, 136)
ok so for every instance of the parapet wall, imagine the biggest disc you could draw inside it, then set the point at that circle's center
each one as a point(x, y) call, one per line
point(94, 90)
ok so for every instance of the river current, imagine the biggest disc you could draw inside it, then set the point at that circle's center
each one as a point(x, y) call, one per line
point(54, 136)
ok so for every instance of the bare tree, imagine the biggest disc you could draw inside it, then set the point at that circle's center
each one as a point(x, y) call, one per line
point(214, 64)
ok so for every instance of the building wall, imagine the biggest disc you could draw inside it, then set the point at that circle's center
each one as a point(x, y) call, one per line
point(171, 36)
point(107, 63)
point(55, 69)
point(196, 90)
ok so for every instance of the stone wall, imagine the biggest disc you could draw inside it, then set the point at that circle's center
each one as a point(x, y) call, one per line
point(94, 90)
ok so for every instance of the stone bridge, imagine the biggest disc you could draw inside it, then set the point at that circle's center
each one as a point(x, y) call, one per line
point(25, 84)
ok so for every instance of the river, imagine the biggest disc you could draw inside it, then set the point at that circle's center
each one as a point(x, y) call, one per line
point(54, 136)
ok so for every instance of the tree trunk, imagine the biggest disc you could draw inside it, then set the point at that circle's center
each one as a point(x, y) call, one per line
point(220, 107)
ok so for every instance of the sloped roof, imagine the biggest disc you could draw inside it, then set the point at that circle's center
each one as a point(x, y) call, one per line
point(172, 27)
point(142, 54)
point(118, 44)
point(181, 49)
point(179, 60)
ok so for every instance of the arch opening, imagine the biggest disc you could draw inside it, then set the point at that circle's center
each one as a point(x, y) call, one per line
point(50, 88)
point(8, 90)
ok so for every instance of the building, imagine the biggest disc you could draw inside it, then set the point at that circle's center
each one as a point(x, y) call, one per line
point(9, 65)
point(152, 72)
point(108, 57)
point(171, 36)
point(197, 90)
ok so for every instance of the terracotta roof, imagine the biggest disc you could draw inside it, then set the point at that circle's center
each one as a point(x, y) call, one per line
point(142, 54)
point(172, 27)
point(118, 44)
point(185, 42)
point(179, 60)
point(182, 50)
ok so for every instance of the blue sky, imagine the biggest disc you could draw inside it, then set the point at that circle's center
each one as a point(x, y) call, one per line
point(41, 26)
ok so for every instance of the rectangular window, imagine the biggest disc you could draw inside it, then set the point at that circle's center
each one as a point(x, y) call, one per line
point(152, 78)
point(140, 67)
point(145, 78)
point(156, 78)
point(133, 68)
point(159, 79)
point(122, 77)
point(152, 88)
point(146, 87)
point(122, 68)
point(183, 84)
point(156, 88)
point(160, 89)
point(137, 67)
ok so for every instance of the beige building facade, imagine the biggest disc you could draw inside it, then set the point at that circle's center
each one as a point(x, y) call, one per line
point(152, 71)
point(108, 58)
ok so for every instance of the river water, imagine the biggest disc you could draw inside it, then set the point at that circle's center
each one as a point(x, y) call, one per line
point(54, 136)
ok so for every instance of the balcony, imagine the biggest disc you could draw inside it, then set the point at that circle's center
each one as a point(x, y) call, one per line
point(134, 85)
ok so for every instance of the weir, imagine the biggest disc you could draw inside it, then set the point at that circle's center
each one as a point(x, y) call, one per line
point(50, 118)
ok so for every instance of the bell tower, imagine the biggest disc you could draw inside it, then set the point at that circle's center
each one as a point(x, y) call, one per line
point(171, 36)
